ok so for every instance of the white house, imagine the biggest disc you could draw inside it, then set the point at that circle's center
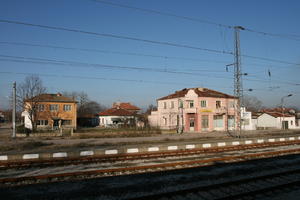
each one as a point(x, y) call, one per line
point(114, 117)
point(275, 120)
point(247, 121)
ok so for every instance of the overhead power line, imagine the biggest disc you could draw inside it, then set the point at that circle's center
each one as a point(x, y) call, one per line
point(81, 64)
point(115, 36)
point(117, 79)
point(108, 51)
point(164, 13)
point(141, 40)
point(133, 53)
point(21, 59)
point(203, 21)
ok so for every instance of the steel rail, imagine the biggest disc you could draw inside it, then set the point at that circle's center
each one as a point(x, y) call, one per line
point(135, 156)
point(139, 169)
point(240, 191)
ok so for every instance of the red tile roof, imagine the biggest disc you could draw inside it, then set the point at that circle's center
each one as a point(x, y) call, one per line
point(126, 106)
point(201, 92)
point(278, 114)
point(51, 98)
point(116, 112)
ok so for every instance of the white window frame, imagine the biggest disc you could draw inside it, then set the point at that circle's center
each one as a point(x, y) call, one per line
point(67, 107)
point(56, 106)
point(204, 102)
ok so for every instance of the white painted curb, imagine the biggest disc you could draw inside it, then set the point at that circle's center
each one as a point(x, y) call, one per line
point(221, 144)
point(134, 150)
point(172, 147)
point(248, 142)
point(4, 157)
point(236, 143)
point(260, 141)
point(153, 149)
point(271, 140)
point(86, 153)
point(190, 146)
point(291, 138)
point(30, 156)
point(206, 145)
point(60, 155)
point(113, 151)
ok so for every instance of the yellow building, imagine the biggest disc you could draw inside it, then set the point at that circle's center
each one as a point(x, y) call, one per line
point(50, 111)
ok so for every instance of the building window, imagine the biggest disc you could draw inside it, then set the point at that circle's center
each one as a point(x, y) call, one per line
point(40, 107)
point(218, 104)
point(231, 104)
point(67, 107)
point(53, 107)
point(102, 120)
point(204, 121)
point(203, 104)
point(218, 121)
point(42, 122)
point(291, 123)
point(165, 105)
point(66, 122)
point(191, 104)
point(180, 104)
point(231, 121)
point(165, 121)
point(172, 104)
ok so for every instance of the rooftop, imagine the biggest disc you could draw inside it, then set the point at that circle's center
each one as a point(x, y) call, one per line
point(116, 112)
point(278, 114)
point(126, 106)
point(201, 92)
point(51, 98)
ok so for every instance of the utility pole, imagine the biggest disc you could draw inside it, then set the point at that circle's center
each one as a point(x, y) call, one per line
point(238, 84)
point(14, 110)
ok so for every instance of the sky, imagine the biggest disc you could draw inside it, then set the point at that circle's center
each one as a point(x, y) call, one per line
point(124, 54)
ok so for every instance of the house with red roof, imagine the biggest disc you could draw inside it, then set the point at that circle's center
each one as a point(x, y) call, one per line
point(195, 110)
point(119, 114)
point(276, 120)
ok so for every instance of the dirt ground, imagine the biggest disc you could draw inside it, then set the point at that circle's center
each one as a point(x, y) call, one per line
point(8, 145)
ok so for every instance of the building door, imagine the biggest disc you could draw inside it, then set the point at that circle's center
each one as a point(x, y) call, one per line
point(285, 124)
point(192, 124)
point(204, 122)
point(56, 124)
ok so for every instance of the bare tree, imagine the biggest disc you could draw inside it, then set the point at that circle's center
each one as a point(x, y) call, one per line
point(252, 103)
point(28, 93)
point(150, 108)
point(85, 105)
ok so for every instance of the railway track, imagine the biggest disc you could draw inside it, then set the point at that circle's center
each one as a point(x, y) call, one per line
point(134, 156)
point(246, 188)
point(79, 175)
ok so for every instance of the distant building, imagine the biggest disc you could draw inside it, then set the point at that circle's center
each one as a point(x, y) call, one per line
point(52, 111)
point(275, 120)
point(195, 110)
point(115, 117)
point(120, 114)
point(126, 106)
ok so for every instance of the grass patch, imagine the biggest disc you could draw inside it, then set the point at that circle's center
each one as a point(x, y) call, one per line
point(30, 145)
point(115, 132)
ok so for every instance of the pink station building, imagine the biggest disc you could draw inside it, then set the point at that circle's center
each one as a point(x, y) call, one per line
point(195, 110)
